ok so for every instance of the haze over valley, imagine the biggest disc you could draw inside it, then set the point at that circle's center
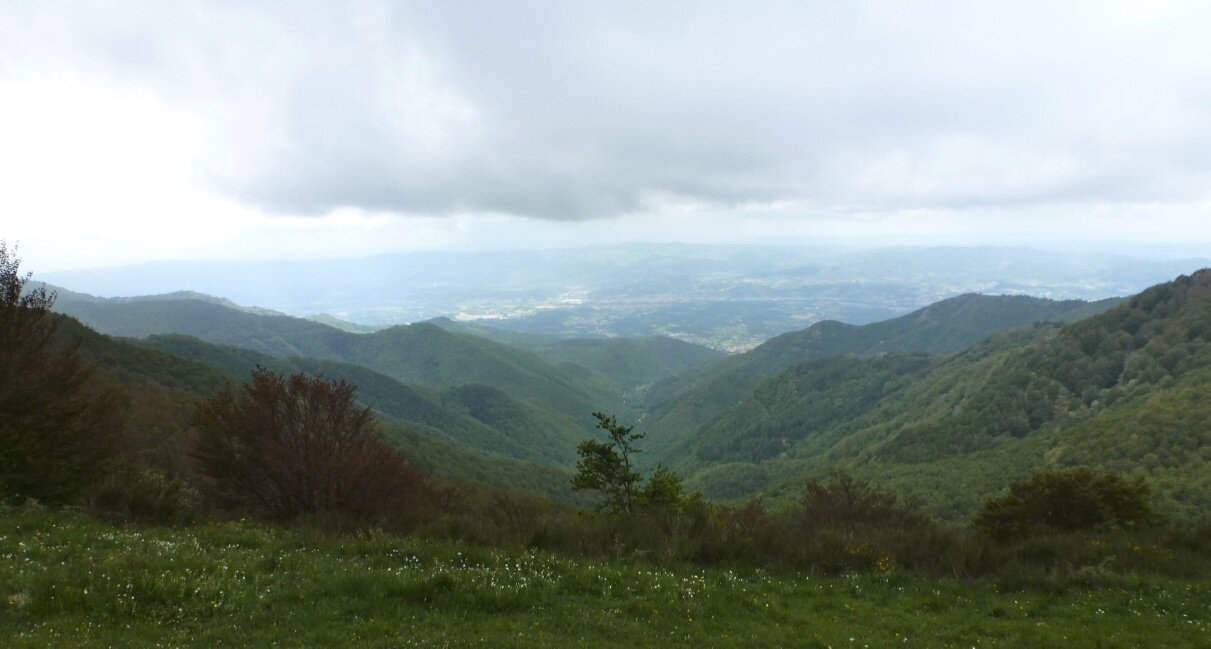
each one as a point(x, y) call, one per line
point(739, 425)
point(730, 298)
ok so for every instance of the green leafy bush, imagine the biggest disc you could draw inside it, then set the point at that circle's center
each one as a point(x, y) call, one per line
point(1067, 501)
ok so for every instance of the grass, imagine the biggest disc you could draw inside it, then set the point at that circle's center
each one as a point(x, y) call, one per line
point(66, 580)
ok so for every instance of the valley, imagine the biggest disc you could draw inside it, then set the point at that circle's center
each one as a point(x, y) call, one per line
point(946, 404)
point(730, 298)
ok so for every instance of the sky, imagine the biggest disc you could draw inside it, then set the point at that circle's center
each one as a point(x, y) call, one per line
point(133, 131)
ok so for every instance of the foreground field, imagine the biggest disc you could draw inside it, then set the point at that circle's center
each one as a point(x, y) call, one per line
point(69, 581)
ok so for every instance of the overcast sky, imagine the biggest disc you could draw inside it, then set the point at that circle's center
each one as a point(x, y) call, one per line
point(159, 130)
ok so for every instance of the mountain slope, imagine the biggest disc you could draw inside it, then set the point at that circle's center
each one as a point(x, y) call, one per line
point(514, 429)
point(429, 355)
point(684, 405)
point(206, 318)
point(632, 363)
point(420, 353)
point(1122, 390)
point(157, 389)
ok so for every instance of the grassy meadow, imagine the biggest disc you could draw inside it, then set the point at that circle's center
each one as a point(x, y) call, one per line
point(68, 580)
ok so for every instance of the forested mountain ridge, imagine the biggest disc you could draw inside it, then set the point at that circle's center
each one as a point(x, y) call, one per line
point(159, 380)
point(207, 318)
point(928, 403)
point(474, 416)
point(632, 362)
point(689, 401)
point(421, 353)
point(627, 364)
point(953, 429)
point(72, 300)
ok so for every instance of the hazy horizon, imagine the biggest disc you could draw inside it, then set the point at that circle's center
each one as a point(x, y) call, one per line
point(726, 296)
point(1160, 252)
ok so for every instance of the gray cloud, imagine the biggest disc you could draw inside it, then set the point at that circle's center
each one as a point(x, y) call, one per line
point(570, 111)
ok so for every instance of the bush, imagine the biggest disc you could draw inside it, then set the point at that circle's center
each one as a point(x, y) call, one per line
point(848, 504)
point(295, 447)
point(146, 496)
point(664, 489)
point(1067, 501)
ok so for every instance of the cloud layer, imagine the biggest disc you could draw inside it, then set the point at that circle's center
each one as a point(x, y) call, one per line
point(572, 111)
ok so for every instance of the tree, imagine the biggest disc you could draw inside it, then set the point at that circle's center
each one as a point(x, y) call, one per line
point(285, 447)
point(1067, 501)
point(606, 466)
point(664, 489)
point(58, 426)
point(848, 504)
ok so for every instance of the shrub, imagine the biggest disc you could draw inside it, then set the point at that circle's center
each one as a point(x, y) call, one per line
point(664, 489)
point(146, 496)
point(848, 504)
point(301, 447)
point(1067, 501)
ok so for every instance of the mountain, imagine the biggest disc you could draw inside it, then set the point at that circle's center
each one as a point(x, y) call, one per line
point(477, 417)
point(686, 403)
point(128, 363)
point(1124, 390)
point(947, 404)
point(343, 325)
point(205, 317)
point(632, 363)
point(429, 355)
point(78, 301)
point(421, 353)
point(158, 380)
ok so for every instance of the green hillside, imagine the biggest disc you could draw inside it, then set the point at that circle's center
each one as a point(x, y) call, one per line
point(421, 353)
point(633, 363)
point(429, 355)
point(159, 379)
point(510, 428)
point(781, 414)
point(948, 403)
point(209, 319)
point(682, 406)
point(129, 363)
point(1120, 390)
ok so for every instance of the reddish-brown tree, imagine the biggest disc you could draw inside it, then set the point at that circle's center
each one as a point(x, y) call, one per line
point(294, 446)
point(849, 504)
